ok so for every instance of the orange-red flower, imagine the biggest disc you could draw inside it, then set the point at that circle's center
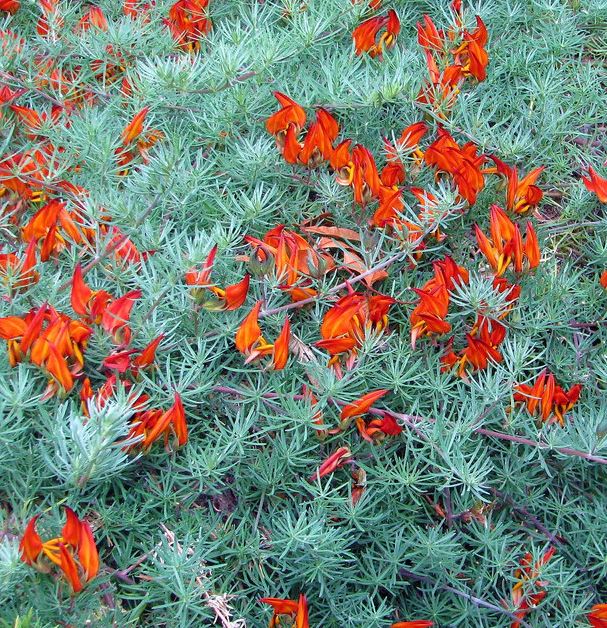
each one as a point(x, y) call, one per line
point(393, 172)
point(365, 34)
point(528, 578)
point(506, 246)
point(297, 610)
point(18, 272)
point(461, 163)
point(597, 617)
point(252, 344)
point(50, 20)
point(290, 114)
point(547, 399)
point(428, 36)
point(74, 552)
point(603, 279)
point(522, 194)
point(428, 317)
point(10, 6)
point(336, 460)
point(471, 54)
point(361, 406)
point(123, 361)
point(90, 304)
point(94, 17)
point(228, 298)
point(358, 170)
point(150, 425)
point(419, 623)
point(291, 259)
point(135, 141)
point(188, 22)
point(51, 340)
point(54, 227)
point(318, 143)
point(597, 184)
point(346, 325)
point(376, 430)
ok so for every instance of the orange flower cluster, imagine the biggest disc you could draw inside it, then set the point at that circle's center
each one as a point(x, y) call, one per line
point(506, 246)
point(451, 57)
point(295, 610)
point(252, 344)
point(365, 35)
point(376, 429)
point(74, 552)
point(429, 315)
point(349, 322)
point(547, 399)
point(50, 340)
point(228, 298)
point(291, 260)
point(527, 576)
point(462, 164)
point(188, 22)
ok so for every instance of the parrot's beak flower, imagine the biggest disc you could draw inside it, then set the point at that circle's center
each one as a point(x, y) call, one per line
point(74, 552)
point(365, 35)
point(295, 610)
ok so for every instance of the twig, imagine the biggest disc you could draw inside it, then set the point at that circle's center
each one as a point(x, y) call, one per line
point(477, 601)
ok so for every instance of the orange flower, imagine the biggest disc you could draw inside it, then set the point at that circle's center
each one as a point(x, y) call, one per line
point(18, 272)
point(419, 623)
point(336, 460)
point(461, 163)
point(134, 128)
point(51, 340)
point(528, 577)
point(74, 552)
point(357, 170)
point(94, 17)
point(50, 19)
point(86, 302)
point(393, 172)
point(188, 23)
point(292, 260)
point(377, 429)
point(252, 344)
point(228, 298)
point(10, 6)
point(597, 617)
point(506, 246)
point(318, 143)
point(522, 194)
point(365, 34)
point(471, 54)
point(428, 36)
point(54, 227)
point(289, 115)
point(154, 424)
point(428, 317)
point(547, 398)
point(297, 611)
point(603, 279)
point(115, 317)
point(362, 405)
point(346, 324)
point(597, 184)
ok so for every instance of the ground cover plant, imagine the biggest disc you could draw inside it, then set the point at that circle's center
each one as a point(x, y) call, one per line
point(303, 313)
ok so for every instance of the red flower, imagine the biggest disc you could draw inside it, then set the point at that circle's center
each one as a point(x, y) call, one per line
point(528, 578)
point(290, 114)
point(154, 424)
point(522, 194)
point(361, 405)
point(350, 320)
point(336, 460)
point(419, 623)
point(471, 54)
point(506, 246)
point(74, 552)
point(597, 184)
point(597, 616)
point(10, 6)
point(365, 34)
point(188, 23)
point(547, 399)
point(18, 272)
point(297, 610)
